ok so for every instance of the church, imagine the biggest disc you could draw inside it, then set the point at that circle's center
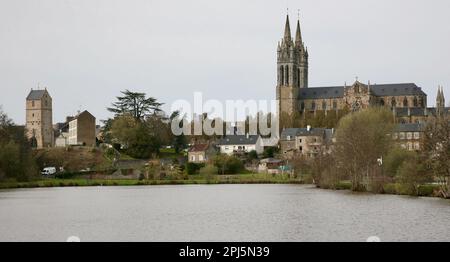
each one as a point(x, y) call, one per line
point(407, 101)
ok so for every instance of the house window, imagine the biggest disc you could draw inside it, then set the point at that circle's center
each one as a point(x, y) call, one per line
point(416, 146)
point(200, 158)
point(302, 106)
point(301, 148)
point(405, 102)
point(32, 103)
point(416, 135)
point(382, 102)
point(288, 138)
point(415, 102)
point(334, 104)
point(313, 105)
point(324, 105)
point(393, 102)
point(402, 135)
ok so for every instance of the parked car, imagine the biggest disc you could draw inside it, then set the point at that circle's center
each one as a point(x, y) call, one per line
point(48, 171)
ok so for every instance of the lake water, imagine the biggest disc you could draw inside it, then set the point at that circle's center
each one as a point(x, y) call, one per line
point(218, 213)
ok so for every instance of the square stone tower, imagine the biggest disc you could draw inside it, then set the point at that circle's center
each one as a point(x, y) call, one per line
point(39, 119)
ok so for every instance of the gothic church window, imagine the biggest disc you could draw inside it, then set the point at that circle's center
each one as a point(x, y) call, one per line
point(281, 75)
point(287, 75)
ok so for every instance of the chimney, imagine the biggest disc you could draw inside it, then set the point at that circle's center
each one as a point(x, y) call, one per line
point(308, 128)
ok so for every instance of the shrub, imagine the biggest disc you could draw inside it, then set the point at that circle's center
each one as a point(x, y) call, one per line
point(427, 190)
point(228, 164)
point(209, 172)
point(193, 168)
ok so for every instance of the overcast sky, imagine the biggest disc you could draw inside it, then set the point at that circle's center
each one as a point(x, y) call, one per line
point(86, 51)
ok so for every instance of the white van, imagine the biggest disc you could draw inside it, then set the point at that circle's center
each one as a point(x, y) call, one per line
point(48, 171)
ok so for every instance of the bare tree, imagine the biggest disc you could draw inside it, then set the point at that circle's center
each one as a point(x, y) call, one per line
point(361, 139)
point(436, 153)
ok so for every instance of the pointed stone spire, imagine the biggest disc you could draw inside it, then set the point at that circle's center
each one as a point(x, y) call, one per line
point(298, 35)
point(287, 30)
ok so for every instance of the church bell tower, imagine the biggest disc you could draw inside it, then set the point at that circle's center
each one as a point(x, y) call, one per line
point(292, 70)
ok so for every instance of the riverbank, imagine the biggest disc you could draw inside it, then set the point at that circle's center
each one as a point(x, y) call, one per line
point(192, 180)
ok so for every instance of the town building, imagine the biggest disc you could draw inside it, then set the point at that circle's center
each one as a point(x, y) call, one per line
point(82, 130)
point(409, 136)
point(306, 142)
point(200, 153)
point(296, 98)
point(39, 118)
point(270, 166)
point(240, 144)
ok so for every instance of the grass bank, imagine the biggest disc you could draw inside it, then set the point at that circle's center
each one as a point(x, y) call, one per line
point(192, 180)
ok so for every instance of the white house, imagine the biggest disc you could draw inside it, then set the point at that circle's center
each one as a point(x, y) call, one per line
point(238, 144)
point(62, 140)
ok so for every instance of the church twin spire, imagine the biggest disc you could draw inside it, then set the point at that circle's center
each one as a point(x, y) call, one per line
point(287, 34)
point(292, 58)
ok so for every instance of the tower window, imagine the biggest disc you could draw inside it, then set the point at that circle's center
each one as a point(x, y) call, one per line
point(281, 75)
point(287, 75)
point(298, 77)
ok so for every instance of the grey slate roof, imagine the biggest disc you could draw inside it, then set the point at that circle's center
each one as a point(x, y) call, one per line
point(322, 92)
point(396, 90)
point(293, 132)
point(238, 140)
point(417, 111)
point(377, 90)
point(36, 94)
point(409, 127)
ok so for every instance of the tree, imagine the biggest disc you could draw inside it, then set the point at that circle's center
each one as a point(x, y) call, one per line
point(138, 139)
point(16, 160)
point(395, 159)
point(436, 151)
point(228, 164)
point(411, 175)
point(179, 142)
point(361, 138)
point(135, 104)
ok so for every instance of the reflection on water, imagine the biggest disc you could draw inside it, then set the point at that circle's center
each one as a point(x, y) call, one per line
point(218, 213)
